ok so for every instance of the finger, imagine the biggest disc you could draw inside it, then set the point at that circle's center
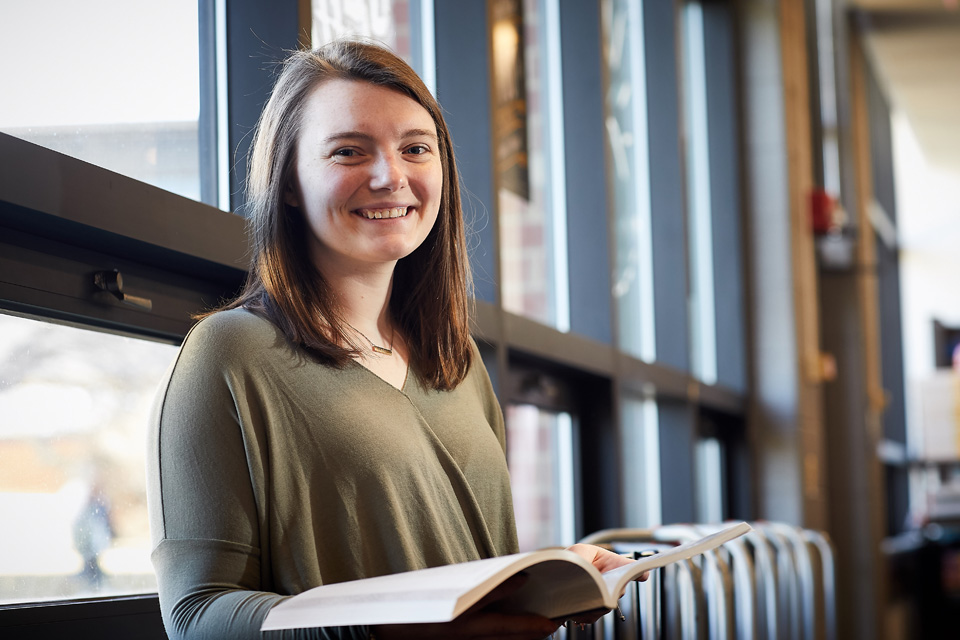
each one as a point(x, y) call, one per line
point(606, 560)
point(603, 559)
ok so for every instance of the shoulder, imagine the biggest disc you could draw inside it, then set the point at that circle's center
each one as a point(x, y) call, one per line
point(223, 348)
point(227, 339)
point(232, 321)
point(231, 328)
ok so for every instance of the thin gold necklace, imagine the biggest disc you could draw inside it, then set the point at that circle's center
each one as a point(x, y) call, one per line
point(387, 351)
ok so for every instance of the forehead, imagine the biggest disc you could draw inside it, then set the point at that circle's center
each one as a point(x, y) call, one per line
point(338, 106)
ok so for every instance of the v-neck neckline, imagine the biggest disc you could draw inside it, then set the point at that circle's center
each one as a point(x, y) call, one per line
point(402, 388)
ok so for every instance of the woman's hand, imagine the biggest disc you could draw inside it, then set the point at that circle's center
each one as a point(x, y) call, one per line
point(480, 622)
point(602, 559)
point(483, 621)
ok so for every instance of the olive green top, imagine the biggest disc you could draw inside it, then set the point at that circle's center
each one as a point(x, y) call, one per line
point(269, 474)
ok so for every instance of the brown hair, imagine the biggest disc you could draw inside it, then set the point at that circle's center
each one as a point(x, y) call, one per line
point(429, 301)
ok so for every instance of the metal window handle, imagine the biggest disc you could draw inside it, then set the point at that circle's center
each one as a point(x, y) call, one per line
point(112, 283)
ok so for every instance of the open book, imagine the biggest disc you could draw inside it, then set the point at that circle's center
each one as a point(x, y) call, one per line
point(560, 585)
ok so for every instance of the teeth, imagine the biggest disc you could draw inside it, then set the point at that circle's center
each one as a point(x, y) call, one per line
point(377, 214)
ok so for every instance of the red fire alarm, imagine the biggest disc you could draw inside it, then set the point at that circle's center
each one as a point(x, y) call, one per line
point(822, 208)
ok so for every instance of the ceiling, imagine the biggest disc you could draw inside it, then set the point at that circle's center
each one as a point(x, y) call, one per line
point(915, 48)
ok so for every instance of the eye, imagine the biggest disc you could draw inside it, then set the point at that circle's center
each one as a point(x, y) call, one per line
point(347, 155)
point(417, 149)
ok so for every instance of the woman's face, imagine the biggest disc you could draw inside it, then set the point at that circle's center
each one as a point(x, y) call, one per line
point(367, 176)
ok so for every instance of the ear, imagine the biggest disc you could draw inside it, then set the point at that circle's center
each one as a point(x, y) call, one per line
point(290, 196)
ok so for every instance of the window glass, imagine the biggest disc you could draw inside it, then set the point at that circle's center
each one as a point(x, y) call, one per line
point(405, 26)
point(641, 462)
point(528, 152)
point(703, 348)
point(391, 22)
point(387, 21)
point(112, 82)
point(541, 460)
point(710, 480)
point(824, 12)
point(626, 127)
point(74, 405)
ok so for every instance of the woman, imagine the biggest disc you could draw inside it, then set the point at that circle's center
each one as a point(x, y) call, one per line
point(335, 421)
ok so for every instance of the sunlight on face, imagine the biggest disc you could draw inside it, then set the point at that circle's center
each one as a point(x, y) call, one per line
point(368, 176)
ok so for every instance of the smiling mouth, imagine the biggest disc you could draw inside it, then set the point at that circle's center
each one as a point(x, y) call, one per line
point(377, 214)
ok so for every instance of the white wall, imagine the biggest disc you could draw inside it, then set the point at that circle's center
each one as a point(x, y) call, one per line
point(928, 209)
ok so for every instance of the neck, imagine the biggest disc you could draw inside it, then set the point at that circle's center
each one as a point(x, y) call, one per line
point(364, 299)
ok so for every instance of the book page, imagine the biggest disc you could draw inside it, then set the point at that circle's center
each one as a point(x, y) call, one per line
point(617, 579)
point(437, 594)
point(560, 583)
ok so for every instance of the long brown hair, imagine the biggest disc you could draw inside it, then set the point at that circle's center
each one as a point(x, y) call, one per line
point(429, 301)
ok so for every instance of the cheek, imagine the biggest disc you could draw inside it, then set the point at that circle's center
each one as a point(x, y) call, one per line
point(322, 204)
point(439, 179)
point(433, 222)
point(322, 186)
point(436, 198)
point(435, 185)
point(316, 217)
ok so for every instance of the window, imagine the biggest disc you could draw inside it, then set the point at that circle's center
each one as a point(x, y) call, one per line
point(541, 459)
point(528, 159)
point(640, 452)
point(710, 480)
point(712, 177)
point(561, 444)
point(626, 127)
point(97, 157)
point(405, 26)
point(75, 406)
point(85, 79)
point(703, 350)
point(828, 116)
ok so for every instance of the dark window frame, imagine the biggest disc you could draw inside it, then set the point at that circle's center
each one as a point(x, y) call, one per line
point(62, 220)
point(190, 254)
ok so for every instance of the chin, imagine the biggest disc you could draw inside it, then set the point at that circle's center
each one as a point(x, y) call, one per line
point(397, 252)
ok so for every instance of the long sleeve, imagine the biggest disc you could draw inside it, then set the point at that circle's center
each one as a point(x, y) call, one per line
point(205, 594)
point(270, 474)
point(205, 517)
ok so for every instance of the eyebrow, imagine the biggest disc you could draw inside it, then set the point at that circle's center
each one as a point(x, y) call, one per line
point(353, 135)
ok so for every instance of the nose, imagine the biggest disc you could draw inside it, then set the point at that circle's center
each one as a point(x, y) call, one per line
point(388, 173)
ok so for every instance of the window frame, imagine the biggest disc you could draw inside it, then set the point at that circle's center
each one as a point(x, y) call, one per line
point(63, 219)
point(181, 254)
point(57, 213)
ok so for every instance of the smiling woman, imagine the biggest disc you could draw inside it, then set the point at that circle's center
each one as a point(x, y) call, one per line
point(367, 181)
point(368, 176)
point(290, 448)
point(428, 290)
